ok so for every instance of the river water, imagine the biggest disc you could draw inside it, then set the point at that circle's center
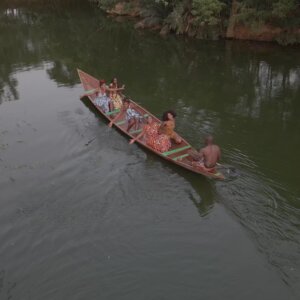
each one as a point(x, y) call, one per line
point(85, 215)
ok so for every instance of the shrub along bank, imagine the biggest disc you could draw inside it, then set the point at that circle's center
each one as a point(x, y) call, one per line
point(263, 20)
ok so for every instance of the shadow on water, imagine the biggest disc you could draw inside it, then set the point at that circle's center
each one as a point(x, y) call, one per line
point(203, 187)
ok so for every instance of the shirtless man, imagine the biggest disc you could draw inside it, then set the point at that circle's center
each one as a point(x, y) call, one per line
point(209, 155)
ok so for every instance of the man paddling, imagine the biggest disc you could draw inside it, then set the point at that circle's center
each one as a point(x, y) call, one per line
point(208, 156)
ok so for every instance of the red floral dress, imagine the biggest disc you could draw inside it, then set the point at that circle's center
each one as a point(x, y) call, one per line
point(159, 142)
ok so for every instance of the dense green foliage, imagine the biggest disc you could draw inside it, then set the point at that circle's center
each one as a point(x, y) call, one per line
point(279, 12)
point(210, 18)
point(105, 4)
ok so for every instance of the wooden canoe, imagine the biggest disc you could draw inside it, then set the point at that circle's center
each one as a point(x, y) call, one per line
point(177, 154)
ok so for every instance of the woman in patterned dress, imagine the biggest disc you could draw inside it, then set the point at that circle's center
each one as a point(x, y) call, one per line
point(114, 93)
point(102, 100)
point(159, 142)
point(105, 102)
point(168, 125)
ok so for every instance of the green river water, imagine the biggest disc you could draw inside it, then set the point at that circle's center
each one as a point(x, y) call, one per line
point(85, 215)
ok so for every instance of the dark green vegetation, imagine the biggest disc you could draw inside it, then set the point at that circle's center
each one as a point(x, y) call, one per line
point(277, 20)
point(264, 20)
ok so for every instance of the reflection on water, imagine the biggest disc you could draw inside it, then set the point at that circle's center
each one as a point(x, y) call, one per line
point(245, 94)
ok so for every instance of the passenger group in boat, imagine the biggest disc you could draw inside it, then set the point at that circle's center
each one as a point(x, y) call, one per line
point(107, 97)
point(158, 136)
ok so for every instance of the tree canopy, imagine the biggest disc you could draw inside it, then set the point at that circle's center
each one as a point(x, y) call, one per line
point(211, 18)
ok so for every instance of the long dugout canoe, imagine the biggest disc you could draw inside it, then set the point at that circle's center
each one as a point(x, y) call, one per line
point(177, 154)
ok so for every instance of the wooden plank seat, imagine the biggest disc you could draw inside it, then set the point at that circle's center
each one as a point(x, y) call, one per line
point(113, 112)
point(135, 131)
point(89, 92)
point(167, 153)
point(121, 122)
point(124, 121)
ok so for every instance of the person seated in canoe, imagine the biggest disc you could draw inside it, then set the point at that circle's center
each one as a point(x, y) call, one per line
point(168, 125)
point(103, 91)
point(159, 142)
point(207, 157)
point(132, 117)
point(102, 100)
point(114, 93)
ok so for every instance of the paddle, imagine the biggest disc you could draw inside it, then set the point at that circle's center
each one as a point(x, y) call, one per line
point(90, 141)
point(137, 137)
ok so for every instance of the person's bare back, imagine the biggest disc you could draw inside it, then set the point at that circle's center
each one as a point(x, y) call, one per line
point(210, 154)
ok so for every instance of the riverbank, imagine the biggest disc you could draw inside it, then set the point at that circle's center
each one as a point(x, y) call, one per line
point(210, 22)
point(277, 22)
